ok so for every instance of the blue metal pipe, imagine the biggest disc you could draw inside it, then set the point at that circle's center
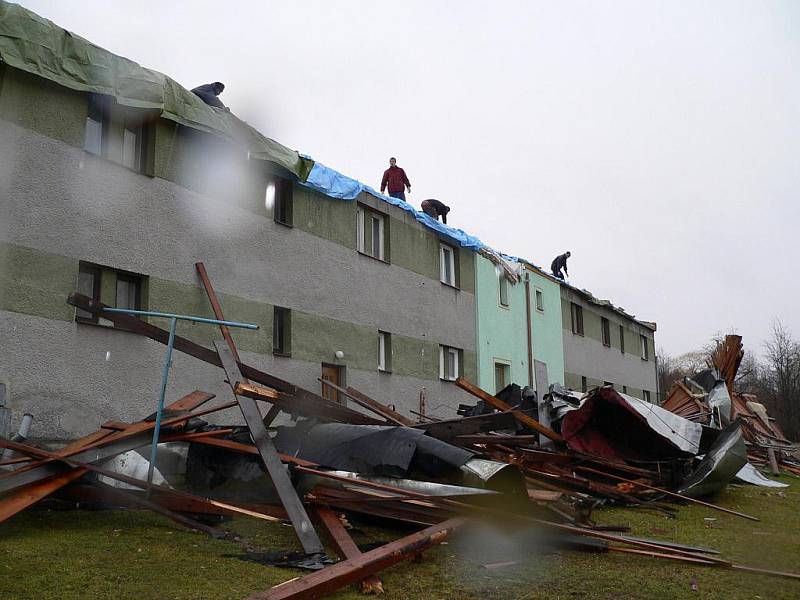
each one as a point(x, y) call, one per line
point(147, 313)
point(164, 376)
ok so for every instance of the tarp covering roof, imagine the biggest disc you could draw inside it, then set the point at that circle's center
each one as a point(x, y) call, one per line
point(33, 44)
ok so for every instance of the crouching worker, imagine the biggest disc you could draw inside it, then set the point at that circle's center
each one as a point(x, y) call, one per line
point(434, 208)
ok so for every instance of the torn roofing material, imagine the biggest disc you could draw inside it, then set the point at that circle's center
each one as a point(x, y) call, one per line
point(620, 427)
point(36, 45)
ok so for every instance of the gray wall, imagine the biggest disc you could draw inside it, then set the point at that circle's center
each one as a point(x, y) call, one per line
point(587, 356)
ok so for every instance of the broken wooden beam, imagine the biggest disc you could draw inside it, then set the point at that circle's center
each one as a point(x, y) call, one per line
point(345, 546)
point(374, 406)
point(304, 402)
point(334, 577)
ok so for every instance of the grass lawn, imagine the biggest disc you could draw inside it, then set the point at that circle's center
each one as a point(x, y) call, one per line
point(48, 554)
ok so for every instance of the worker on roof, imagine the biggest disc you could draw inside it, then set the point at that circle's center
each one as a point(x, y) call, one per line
point(395, 179)
point(434, 208)
point(208, 93)
point(560, 262)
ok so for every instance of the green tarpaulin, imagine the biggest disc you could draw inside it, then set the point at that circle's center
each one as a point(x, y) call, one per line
point(36, 45)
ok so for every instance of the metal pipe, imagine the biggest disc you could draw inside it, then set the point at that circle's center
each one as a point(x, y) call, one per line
point(148, 313)
point(164, 377)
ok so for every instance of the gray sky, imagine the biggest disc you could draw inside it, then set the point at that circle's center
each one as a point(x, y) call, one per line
point(658, 141)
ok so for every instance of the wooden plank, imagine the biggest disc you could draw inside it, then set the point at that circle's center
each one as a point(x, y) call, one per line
point(269, 455)
point(305, 403)
point(521, 417)
point(447, 430)
point(365, 401)
point(345, 546)
point(330, 579)
point(216, 307)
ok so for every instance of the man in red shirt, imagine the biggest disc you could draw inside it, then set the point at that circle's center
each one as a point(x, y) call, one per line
point(395, 179)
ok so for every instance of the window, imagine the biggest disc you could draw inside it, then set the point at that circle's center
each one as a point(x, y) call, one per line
point(281, 331)
point(606, 326)
point(645, 349)
point(646, 395)
point(120, 289)
point(622, 339)
point(539, 301)
point(503, 283)
point(88, 285)
point(128, 291)
point(502, 376)
point(447, 264)
point(624, 389)
point(371, 226)
point(584, 384)
point(577, 318)
point(449, 359)
point(384, 351)
point(278, 199)
point(118, 133)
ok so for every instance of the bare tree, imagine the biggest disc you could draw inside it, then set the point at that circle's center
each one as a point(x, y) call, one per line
point(783, 377)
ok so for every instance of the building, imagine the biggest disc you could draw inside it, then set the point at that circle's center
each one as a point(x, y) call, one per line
point(605, 345)
point(115, 191)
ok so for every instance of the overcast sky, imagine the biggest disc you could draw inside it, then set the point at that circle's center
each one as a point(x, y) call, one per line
point(658, 141)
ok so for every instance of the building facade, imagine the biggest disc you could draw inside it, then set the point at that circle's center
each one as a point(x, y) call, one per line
point(119, 203)
point(605, 345)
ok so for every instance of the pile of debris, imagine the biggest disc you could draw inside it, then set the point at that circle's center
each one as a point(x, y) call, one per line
point(709, 398)
point(542, 463)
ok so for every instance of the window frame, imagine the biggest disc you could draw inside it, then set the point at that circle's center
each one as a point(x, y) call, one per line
point(384, 352)
point(646, 395)
point(282, 199)
point(605, 331)
point(281, 331)
point(584, 384)
point(366, 220)
point(449, 352)
point(622, 339)
point(445, 250)
point(111, 117)
point(576, 315)
point(503, 290)
point(539, 299)
point(504, 367)
point(129, 278)
point(644, 347)
point(97, 273)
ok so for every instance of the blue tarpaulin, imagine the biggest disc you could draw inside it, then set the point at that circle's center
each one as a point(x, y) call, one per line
point(335, 185)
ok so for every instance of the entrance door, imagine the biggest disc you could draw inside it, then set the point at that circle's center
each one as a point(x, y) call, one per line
point(335, 375)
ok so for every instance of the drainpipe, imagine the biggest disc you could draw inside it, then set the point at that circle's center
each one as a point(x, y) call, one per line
point(528, 323)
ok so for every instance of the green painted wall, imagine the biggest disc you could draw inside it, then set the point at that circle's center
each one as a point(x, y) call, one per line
point(325, 217)
point(36, 283)
point(502, 334)
point(43, 106)
point(548, 338)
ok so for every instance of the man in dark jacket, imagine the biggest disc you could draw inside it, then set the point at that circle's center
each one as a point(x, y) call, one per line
point(434, 208)
point(560, 262)
point(208, 93)
point(395, 179)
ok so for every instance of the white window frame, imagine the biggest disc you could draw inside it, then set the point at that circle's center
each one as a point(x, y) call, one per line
point(382, 347)
point(646, 395)
point(539, 297)
point(505, 366)
point(360, 227)
point(377, 245)
point(447, 260)
point(643, 347)
point(502, 282)
point(446, 355)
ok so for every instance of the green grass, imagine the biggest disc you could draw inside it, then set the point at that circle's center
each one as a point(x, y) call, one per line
point(47, 554)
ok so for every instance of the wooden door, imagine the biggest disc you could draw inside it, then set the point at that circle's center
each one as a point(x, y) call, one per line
point(333, 374)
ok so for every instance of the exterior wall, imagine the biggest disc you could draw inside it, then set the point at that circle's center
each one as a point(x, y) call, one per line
point(502, 331)
point(586, 356)
point(60, 204)
point(548, 345)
